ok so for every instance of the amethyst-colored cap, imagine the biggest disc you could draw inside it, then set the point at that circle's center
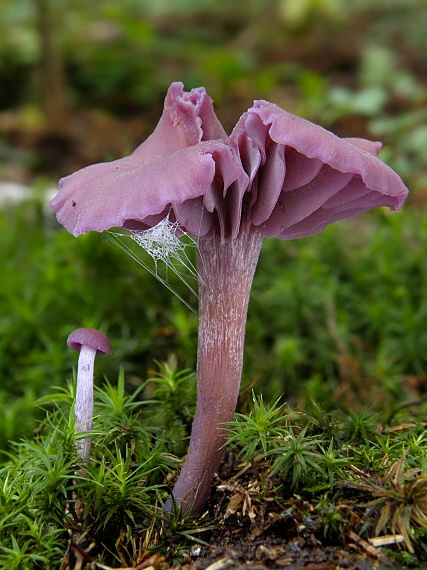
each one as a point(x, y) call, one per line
point(89, 337)
point(278, 173)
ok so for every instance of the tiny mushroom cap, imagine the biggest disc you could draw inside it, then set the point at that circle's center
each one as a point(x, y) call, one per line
point(89, 337)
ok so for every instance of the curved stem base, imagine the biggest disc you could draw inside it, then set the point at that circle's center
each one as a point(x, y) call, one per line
point(226, 270)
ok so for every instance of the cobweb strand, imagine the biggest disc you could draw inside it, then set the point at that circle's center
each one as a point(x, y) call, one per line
point(166, 252)
point(162, 244)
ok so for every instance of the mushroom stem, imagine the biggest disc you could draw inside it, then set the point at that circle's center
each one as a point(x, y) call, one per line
point(84, 399)
point(226, 269)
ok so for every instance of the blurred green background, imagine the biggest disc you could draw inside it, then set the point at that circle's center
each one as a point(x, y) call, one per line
point(340, 317)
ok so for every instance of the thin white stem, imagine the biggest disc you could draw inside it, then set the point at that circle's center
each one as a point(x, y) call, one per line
point(84, 399)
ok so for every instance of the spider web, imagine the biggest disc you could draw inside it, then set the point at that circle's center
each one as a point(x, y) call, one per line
point(166, 249)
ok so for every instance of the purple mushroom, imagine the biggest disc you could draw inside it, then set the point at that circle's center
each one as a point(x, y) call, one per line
point(276, 175)
point(89, 342)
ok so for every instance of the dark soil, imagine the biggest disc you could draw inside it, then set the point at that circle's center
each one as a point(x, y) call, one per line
point(281, 542)
point(294, 555)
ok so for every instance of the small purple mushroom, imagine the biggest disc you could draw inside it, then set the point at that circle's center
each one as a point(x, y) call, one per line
point(89, 342)
point(276, 175)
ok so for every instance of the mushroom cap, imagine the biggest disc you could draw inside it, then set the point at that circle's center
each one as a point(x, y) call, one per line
point(176, 163)
point(276, 172)
point(89, 337)
point(306, 177)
